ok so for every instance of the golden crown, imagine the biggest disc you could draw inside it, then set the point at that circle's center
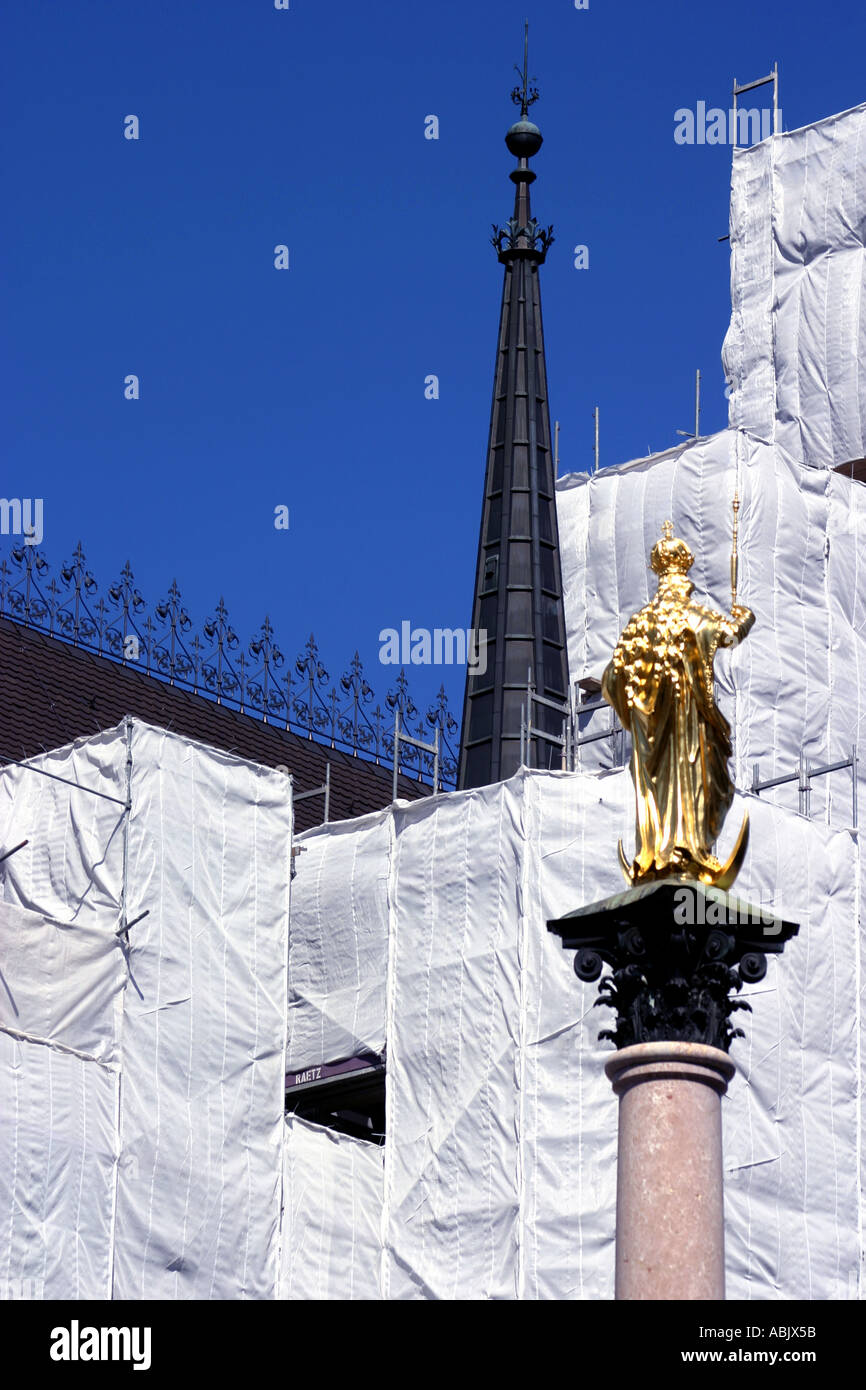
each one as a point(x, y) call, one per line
point(671, 553)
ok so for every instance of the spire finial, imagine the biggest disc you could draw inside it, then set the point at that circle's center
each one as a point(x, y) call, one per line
point(524, 96)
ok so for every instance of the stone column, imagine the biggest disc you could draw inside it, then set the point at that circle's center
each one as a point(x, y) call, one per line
point(679, 952)
point(669, 1203)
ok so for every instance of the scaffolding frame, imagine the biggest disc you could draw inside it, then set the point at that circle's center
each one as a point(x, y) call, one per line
point(806, 770)
point(416, 743)
point(738, 90)
point(571, 738)
point(323, 790)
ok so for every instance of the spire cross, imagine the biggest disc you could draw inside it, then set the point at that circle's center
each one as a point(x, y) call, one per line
point(668, 529)
point(524, 96)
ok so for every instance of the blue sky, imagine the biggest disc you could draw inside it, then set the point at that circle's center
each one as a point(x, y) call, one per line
point(305, 387)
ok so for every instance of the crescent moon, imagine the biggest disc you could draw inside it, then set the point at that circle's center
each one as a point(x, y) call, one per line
point(735, 862)
point(624, 864)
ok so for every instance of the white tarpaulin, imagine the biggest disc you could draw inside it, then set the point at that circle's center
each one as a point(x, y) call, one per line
point(204, 1024)
point(59, 1151)
point(146, 1084)
point(336, 975)
point(62, 977)
point(332, 1216)
point(795, 352)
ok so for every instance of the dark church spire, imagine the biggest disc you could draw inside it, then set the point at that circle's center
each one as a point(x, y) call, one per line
point(518, 585)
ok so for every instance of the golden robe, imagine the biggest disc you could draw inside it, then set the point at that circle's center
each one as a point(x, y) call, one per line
point(660, 682)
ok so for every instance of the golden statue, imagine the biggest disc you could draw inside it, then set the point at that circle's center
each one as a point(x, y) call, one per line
point(660, 682)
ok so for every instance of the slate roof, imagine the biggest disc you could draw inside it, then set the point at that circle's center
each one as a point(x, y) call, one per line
point(52, 693)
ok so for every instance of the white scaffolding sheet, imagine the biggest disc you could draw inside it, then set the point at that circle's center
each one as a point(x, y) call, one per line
point(204, 1024)
point(795, 351)
point(332, 1215)
point(62, 976)
point(149, 1080)
point(338, 949)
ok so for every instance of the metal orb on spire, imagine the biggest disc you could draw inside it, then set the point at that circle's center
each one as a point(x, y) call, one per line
point(524, 139)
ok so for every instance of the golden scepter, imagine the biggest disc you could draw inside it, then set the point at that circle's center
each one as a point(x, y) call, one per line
point(736, 505)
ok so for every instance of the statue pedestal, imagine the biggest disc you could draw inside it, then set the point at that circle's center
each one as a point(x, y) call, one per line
point(669, 1195)
point(679, 952)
